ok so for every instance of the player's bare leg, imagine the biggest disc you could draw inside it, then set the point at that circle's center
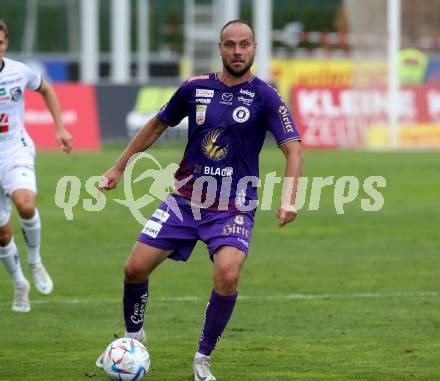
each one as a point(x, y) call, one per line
point(140, 264)
point(24, 201)
point(228, 262)
point(11, 261)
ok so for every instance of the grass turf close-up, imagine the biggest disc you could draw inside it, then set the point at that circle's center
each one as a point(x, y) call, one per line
point(351, 296)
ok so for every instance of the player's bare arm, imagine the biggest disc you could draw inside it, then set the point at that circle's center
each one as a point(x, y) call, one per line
point(142, 140)
point(294, 163)
point(50, 99)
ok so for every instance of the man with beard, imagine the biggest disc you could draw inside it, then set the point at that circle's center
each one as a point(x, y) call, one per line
point(228, 115)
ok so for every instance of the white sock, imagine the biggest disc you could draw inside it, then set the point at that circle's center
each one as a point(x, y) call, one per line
point(32, 235)
point(135, 335)
point(9, 257)
point(200, 355)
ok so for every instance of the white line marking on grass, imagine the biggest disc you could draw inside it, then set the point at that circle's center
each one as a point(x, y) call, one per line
point(367, 295)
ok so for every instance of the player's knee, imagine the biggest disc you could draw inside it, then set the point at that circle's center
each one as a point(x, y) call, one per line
point(227, 279)
point(5, 237)
point(133, 274)
point(25, 208)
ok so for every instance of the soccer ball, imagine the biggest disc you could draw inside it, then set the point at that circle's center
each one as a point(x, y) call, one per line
point(126, 360)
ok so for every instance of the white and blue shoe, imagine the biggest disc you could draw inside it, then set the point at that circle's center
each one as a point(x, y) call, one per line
point(201, 369)
point(42, 280)
point(21, 297)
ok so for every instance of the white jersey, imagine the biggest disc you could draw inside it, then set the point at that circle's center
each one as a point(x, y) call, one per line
point(15, 77)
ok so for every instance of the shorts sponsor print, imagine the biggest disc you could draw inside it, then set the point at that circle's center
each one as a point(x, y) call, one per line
point(165, 230)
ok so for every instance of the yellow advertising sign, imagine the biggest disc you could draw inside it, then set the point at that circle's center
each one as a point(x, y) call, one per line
point(326, 73)
point(411, 136)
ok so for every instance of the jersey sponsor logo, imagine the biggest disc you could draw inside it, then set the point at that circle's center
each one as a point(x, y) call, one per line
point(200, 114)
point(11, 81)
point(152, 228)
point(137, 316)
point(241, 114)
point(283, 113)
point(2, 91)
point(16, 93)
point(207, 93)
point(205, 101)
point(211, 147)
point(215, 171)
point(227, 99)
point(246, 101)
point(230, 229)
point(247, 92)
point(4, 123)
point(239, 220)
point(244, 242)
point(161, 215)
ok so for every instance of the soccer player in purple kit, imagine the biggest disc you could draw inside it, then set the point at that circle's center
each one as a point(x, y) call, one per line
point(228, 115)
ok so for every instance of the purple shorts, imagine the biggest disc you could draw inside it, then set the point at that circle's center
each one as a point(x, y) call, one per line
point(168, 230)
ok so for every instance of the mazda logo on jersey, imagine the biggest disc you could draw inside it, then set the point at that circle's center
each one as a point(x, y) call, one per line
point(227, 97)
point(241, 114)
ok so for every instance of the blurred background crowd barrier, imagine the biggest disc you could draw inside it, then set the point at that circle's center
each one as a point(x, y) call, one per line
point(356, 74)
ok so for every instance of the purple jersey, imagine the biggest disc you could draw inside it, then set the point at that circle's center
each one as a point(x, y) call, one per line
point(227, 128)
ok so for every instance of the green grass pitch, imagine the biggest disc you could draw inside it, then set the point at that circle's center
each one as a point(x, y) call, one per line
point(329, 297)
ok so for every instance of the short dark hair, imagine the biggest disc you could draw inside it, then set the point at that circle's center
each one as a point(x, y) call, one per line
point(238, 22)
point(4, 28)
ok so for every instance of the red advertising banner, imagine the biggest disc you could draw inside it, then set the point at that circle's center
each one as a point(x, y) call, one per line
point(336, 117)
point(79, 113)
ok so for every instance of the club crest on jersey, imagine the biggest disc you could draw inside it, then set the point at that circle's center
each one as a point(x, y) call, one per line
point(200, 114)
point(211, 146)
point(241, 114)
point(15, 93)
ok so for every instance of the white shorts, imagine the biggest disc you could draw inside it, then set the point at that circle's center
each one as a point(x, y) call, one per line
point(16, 172)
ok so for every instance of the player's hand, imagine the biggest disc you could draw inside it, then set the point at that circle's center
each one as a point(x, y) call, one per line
point(110, 179)
point(64, 139)
point(284, 216)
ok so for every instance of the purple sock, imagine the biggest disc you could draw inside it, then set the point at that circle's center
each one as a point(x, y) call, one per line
point(135, 301)
point(218, 311)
